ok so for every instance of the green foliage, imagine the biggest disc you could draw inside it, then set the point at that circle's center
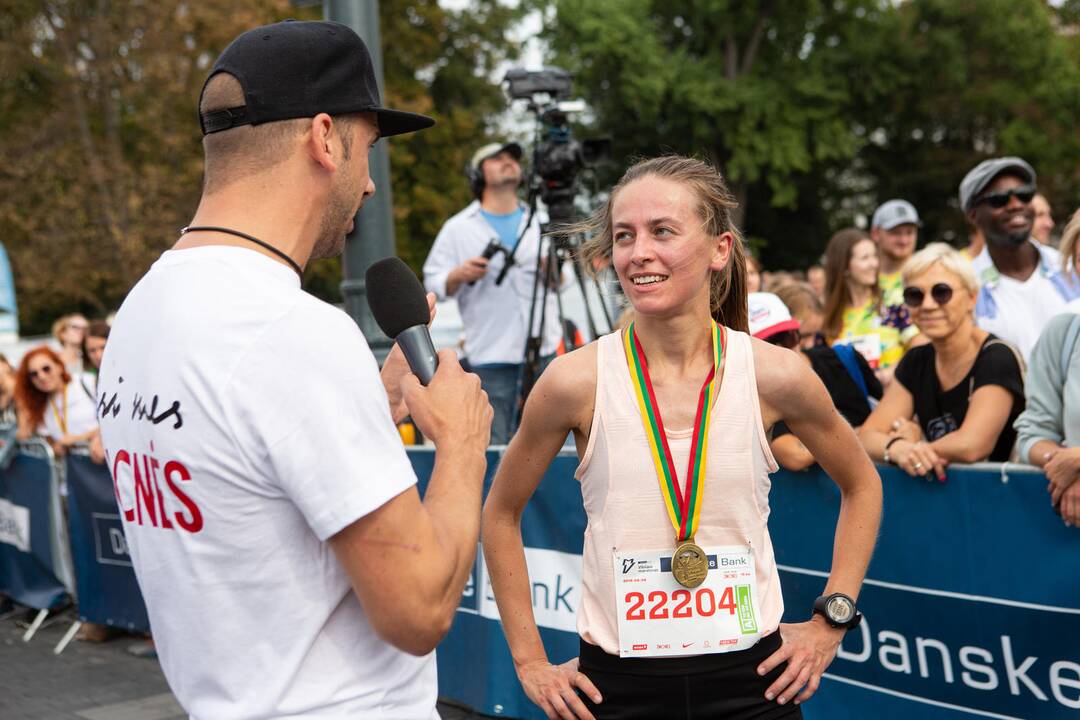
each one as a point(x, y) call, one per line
point(440, 63)
point(816, 111)
point(100, 152)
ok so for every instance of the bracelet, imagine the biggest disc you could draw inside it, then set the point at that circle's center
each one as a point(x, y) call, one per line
point(885, 456)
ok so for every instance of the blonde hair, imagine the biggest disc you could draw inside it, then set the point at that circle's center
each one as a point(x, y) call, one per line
point(1068, 245)
point(727, 288)
point(948, 257)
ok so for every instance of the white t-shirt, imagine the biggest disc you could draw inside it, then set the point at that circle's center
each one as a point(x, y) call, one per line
point(1017, 311)
point(69, 412)
point(245, 424)
point(495, 317)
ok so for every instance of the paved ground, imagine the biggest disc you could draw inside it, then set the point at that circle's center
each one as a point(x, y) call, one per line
point(89, 681)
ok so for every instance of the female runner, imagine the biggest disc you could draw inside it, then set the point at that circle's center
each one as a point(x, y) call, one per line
point(675, 479)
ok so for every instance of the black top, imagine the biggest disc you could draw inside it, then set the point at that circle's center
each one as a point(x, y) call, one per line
point(940, 412)
point(845, 394)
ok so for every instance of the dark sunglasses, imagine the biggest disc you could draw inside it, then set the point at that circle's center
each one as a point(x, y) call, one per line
point(43, 370)
point(788, 338)
point(1001, 199)
point(914, 296)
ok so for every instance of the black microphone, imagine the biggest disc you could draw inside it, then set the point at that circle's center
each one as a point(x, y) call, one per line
point(400, 308)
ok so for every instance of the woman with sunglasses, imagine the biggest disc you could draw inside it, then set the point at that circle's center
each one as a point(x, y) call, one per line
point(853, 310)
point(965, 386)
point(50, 404)
point(669, 417)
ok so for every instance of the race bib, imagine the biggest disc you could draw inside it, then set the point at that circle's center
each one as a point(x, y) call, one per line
point(658, 617)
point(869, 346)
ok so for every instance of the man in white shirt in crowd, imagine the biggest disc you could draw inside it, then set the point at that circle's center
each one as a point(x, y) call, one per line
point(289, 566)
point(895, 229)
point(495, 315)
point(1022, 283)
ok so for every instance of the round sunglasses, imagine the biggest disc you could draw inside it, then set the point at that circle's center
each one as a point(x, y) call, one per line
point(43, 370)
point(914, 296)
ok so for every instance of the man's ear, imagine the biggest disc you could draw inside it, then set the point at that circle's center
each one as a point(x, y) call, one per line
point(321, 145)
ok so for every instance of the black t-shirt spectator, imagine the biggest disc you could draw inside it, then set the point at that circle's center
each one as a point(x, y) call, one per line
point(940, 412)
point(846, 395)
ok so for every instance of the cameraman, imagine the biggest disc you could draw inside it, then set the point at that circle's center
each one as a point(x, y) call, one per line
point(466, 260)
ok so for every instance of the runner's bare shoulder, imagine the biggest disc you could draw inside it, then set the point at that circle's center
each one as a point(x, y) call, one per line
point(781, 377)
point(567, 389)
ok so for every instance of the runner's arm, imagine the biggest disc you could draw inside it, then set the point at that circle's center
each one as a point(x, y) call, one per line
point(553, 410)
point(789, 390)
point(792, 392)
point(562, 401)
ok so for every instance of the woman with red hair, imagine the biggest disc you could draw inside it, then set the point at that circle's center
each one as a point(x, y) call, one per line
point(49, 404)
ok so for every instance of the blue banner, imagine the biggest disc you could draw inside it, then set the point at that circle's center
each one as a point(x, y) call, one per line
point(27, 554)
point(972, 601)
point(105, 579)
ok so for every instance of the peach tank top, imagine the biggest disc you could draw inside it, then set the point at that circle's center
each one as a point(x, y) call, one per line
point(622, 495)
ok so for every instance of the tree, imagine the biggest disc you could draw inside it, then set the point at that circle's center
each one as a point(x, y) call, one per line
point(100, 151)
point(977, 79)
point(437, 62)
point(100, 155)
point(763, 89)
point(817, 111)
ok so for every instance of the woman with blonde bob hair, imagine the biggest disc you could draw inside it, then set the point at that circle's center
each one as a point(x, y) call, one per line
point(965, 387)
point(674, 471)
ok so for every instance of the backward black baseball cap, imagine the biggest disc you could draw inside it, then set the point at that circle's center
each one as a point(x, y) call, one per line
point(298, 69)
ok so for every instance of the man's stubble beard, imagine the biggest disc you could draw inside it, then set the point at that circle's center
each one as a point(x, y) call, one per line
point(331, 240)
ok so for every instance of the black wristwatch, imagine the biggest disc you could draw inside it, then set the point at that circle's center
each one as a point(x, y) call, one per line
point(838, 610)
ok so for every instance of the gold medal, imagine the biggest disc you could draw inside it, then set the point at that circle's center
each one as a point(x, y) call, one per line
point(689, 564)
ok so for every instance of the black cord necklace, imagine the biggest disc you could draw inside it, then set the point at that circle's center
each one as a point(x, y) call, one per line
point(252, 238)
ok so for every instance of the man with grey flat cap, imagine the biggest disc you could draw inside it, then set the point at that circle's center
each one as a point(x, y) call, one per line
point(1022, 286)
point(289, 567)
point(466, 261)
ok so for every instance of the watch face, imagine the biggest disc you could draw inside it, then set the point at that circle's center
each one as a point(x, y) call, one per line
point(840, 610)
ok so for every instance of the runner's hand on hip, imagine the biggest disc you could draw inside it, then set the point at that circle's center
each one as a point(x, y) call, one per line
point(808, 648)
point(554, 689)
point(452, 410)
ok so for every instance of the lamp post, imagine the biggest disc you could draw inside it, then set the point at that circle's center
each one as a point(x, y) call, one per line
point(372, 237)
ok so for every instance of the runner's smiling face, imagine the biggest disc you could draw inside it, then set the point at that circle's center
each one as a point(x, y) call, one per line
point(661, 252)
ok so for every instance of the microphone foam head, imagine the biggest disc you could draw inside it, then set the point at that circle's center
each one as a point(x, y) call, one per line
point(396, 296)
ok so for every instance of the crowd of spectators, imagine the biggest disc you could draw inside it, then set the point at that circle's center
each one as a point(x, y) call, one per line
point(942, 338)
point(53, 390)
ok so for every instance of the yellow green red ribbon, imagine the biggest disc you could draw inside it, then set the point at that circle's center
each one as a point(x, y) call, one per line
point(683, 504)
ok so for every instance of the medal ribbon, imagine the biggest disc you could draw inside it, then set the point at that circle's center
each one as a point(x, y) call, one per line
point(683, 504)
point(61, 420)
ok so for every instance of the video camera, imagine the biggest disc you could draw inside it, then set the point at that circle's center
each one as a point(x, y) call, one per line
point(558, 156)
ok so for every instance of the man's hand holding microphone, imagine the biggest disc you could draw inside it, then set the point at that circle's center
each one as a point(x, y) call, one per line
point(410, 559)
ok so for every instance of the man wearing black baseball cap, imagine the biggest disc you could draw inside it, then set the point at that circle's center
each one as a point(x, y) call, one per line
point(288, 565)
